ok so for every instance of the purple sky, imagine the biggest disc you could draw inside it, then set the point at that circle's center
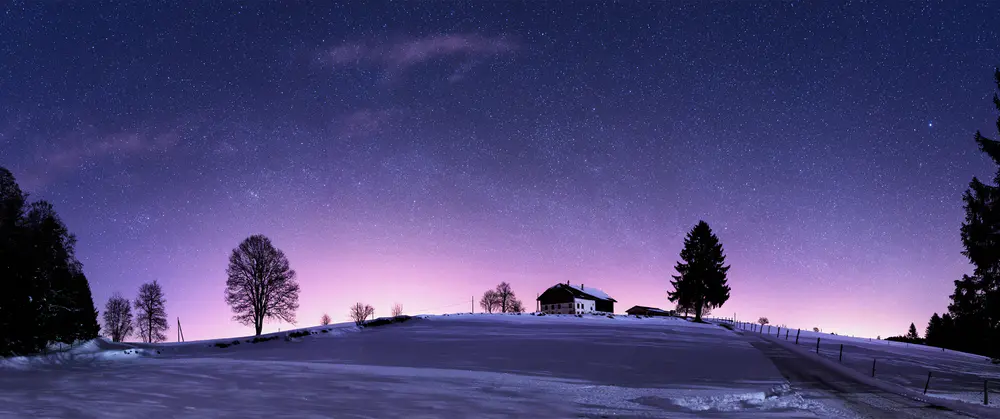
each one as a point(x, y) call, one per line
point(422, 153)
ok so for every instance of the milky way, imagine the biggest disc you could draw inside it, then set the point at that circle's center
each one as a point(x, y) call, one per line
point(422, 153)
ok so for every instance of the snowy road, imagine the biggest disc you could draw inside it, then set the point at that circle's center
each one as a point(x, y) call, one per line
point(845, 392)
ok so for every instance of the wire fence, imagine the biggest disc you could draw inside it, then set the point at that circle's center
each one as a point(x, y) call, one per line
point(933, 371)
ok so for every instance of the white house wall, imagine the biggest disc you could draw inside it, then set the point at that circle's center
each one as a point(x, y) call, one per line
point(578, 306)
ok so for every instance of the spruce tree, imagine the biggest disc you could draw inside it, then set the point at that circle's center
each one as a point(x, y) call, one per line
point(912, 333)
point(932, 335)
point(702, 281)
point(975, 304)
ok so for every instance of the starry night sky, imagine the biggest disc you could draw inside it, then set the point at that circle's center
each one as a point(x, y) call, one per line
point(421, 153)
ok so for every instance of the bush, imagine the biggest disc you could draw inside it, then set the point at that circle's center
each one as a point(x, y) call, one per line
point(382, 321)
point(324, 331)
point(225, 345)
point(260, 339)
point(300, 333)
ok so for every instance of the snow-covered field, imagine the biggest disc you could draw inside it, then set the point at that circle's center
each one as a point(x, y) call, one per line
point(954, 375)
point(436, 366)
point(445, 366)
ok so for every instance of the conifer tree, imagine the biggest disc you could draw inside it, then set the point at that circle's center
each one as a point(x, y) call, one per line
point(702, 281)
point(912, 333)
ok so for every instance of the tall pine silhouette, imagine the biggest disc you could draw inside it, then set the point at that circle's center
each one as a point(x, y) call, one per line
point(701, 282)
point(975, 304)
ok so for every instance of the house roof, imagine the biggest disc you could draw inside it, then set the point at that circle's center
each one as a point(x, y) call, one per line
point(579, 291)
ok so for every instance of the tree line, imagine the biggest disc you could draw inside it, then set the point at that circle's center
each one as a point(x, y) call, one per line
point(46, 296)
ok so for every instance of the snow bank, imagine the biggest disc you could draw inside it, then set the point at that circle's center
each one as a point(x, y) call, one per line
point(91, 351)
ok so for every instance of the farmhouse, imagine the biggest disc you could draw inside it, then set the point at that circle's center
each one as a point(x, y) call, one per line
point(649, 311)
point(572, 299)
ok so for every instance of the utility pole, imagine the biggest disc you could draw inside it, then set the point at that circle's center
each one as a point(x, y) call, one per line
point(180, 332)
point(473, 304)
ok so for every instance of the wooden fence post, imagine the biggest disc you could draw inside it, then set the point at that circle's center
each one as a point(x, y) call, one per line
point(873, 367)
point(817, 345)
point(928, 382)
point(779, 332)
point(841, 352)
point(786, 334)
point(797, 332)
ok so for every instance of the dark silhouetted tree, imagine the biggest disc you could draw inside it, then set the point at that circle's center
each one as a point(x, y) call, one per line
point(46, 296)
point(816, 329)
point(763, 321)
point(702, 279)
point(361, 312)
point(516, 307)
point(397, 310)
point(117, 318)
point(490, 301)
point(932, 333)
point(151, 313)
point(912, 333)
point(325, 320)
point(506, 298)
point(975, 305)
point(261, 284)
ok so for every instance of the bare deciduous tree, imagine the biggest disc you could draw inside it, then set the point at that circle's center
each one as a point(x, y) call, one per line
point(507, 298)
point(261, 284)
point(325, 320)
point(763, 321)
point(151, 313)
point(118, 317)
point(501, 300)
point(490, 301)
point(397, 310)
point(816, 329)
point(360, 313)
point(516, 307)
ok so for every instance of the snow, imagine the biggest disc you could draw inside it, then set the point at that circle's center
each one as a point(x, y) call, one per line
point(434, 366)
point(954, 375)
point(593, 291)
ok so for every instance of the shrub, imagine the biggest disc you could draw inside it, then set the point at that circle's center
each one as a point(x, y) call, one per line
point(382, 321)
point(260, 339)
point(300, 333)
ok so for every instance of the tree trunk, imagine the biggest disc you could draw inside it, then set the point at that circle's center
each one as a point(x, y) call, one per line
point(697, 312)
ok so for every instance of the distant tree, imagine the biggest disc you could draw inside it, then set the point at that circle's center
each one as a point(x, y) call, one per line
point(516, 307)
point(931, 333)
point(397, 310)
point(490, 301)
point(151, 313)
point(912, 333)
point(702, 279)
point(507, 299)
point(763, 321)
point(261, 285)
point(118, 317)
point(816, 329)
point(325, 320)
point(361, 312)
